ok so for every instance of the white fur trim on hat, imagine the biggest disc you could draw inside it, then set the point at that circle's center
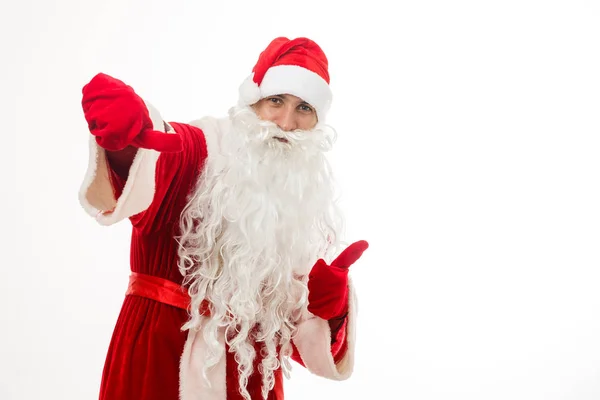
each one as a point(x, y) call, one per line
point(289, 79)
point(249, 91)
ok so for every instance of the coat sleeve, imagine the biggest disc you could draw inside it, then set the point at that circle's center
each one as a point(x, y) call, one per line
point(324, 355)
point(154, 190)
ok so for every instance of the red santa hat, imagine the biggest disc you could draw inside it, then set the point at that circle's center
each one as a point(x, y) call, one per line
point(298, 67)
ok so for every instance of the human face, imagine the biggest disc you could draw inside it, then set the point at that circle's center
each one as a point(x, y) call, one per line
point(287, 111)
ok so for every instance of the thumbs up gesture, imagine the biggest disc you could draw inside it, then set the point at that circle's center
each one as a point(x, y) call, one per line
point(328, 284)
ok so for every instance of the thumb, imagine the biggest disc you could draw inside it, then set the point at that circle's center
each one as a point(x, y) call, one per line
point(159, 141)
point(350, 254)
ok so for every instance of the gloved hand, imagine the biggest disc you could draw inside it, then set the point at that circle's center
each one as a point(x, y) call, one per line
point(118, 117)
point(328, 284)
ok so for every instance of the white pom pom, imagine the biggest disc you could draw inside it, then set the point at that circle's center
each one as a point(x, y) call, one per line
point(249, 92)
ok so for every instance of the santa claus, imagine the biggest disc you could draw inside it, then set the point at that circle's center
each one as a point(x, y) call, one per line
point(235, 249)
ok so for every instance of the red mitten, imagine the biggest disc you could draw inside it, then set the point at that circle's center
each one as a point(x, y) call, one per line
point(118, 117)
point(328, 284)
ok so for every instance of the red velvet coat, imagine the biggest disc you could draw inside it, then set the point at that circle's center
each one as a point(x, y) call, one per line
point(148, 358)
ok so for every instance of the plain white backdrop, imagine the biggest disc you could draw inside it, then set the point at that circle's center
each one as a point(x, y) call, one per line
point(468, 154)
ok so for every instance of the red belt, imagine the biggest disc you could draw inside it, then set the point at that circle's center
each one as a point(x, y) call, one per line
point(161, 290)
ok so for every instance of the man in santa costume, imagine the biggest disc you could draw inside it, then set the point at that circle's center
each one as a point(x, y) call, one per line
point(237, 264)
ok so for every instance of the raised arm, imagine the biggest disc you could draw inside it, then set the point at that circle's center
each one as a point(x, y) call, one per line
point(134, 155)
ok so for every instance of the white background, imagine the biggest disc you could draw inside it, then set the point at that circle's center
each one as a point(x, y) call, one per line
point(468, 153)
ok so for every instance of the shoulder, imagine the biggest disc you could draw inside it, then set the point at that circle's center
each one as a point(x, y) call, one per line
point(213, 130)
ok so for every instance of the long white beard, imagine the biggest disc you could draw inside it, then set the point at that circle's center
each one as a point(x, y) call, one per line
point(263, 212)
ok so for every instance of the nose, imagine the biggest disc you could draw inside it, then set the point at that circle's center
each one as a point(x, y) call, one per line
point(287, 120)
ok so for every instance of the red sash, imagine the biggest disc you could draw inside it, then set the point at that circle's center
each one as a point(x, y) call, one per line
point(161, 290)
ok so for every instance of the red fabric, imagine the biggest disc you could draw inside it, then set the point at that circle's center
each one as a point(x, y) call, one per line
point(163, 291)
point(118, 117)
point(143, 357)
point(339, 344)
point(301, 52)
point(155, 288)
point(142, 361)
point(328, 284)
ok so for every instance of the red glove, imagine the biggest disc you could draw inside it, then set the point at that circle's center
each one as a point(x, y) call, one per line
point(118, 117)
point(328, 284)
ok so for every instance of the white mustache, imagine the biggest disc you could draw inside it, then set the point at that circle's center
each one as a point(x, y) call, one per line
point(269, 132)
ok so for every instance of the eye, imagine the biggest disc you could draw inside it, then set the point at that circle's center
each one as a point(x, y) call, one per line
point(275, 100)
point(306, 108)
